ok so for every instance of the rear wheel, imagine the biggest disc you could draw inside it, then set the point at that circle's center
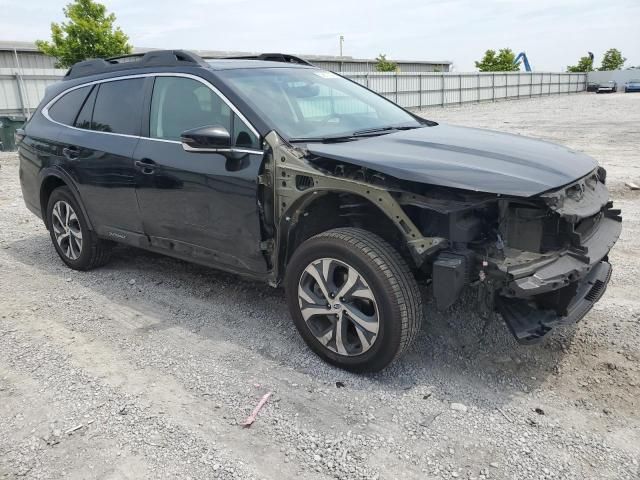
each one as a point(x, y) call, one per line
point(353, 299)
point(76, 245)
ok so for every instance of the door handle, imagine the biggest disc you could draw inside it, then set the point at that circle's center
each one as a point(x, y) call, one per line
point(146, 166)
point(71, 153)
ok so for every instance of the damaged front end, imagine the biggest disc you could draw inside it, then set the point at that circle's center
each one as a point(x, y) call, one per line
point(571, 231)
point(539, 261)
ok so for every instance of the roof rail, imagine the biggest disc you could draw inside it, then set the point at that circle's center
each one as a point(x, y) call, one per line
point(154, 58)
point(272, 57)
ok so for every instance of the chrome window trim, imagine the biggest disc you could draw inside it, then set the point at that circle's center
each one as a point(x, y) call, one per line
point(189, 148)
point(45, 109)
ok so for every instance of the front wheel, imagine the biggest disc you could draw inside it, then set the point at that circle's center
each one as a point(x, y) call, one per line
point(353, 299)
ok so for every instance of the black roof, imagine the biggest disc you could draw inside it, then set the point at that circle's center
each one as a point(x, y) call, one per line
point(231, 64)
point(175, 58)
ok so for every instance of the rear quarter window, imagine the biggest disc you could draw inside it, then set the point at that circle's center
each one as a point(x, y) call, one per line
point(66, 108)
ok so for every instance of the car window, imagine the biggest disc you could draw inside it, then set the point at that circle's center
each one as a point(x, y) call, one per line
point(243, 136)
point(179, 104)
point(313, 103)
point(118, 107)
point(84, 117)
point(66, 108)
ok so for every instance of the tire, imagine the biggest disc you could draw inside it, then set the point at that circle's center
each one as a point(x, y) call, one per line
point(385, 293)
point(80, 249)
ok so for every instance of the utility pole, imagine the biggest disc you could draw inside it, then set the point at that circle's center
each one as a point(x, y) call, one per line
point(341, 43)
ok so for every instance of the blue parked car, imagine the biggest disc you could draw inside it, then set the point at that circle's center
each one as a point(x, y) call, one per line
point(632, 86)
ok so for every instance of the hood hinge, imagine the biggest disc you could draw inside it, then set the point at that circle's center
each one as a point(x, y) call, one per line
point(264, 179)
point(267, 245)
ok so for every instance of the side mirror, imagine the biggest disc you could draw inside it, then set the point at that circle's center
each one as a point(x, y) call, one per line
point(206, 139)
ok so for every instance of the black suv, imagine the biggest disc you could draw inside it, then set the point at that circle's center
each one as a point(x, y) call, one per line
point(290, 174)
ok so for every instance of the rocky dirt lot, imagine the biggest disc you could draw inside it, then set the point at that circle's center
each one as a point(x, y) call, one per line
point(146, 367)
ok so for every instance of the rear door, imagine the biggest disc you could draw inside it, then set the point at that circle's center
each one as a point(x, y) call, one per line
point(97, 149)
point(196, 204)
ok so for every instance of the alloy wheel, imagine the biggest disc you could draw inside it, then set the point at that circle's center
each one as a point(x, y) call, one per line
point(66, 229)
point(338, 306)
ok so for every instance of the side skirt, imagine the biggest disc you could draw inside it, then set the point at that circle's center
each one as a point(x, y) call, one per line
point(182, 251)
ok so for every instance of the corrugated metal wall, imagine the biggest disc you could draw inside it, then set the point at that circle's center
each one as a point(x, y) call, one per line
point(361, 67)
point(26, 59)
point(416, 90)
point(21, 92)
point(36, 59)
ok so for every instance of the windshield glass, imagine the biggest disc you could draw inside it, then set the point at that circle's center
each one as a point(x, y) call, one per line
point(311, 103)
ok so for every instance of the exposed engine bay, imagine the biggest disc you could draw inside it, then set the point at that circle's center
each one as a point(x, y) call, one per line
point(539, 261)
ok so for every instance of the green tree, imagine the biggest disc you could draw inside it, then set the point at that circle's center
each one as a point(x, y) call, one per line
point(384, 65)
point(498, 62)
point(585, 64)
point(612, 60)
point(88, 33)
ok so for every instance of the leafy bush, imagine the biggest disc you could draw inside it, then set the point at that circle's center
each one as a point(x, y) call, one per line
point(384, 65)
point(500, 62)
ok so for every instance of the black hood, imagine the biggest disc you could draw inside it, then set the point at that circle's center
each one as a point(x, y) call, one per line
point(467, 158)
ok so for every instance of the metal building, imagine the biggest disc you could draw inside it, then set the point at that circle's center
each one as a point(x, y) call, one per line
point(26, 55)
point(23, 55)
point(362, 65)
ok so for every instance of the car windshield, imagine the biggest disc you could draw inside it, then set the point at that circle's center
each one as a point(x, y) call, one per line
point(305, 103)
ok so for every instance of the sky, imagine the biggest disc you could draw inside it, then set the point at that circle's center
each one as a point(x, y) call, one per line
point(553, 33)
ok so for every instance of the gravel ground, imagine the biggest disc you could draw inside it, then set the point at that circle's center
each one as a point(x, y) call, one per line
point(146, 367)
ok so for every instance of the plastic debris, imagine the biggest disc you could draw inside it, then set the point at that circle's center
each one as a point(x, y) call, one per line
point(252, 418)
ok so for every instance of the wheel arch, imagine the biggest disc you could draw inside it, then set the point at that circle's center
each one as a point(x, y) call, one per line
point(315, 212)
point(51, 180)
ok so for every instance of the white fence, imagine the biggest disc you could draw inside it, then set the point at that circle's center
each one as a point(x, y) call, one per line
point(417, 90)
point(21, 91)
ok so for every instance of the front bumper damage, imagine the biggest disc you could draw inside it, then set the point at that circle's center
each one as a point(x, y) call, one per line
point(567, 267)
point(528, 323)
point(560, 288)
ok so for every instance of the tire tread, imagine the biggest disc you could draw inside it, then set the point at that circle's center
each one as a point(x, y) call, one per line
point(404, 287)
point(100, 250)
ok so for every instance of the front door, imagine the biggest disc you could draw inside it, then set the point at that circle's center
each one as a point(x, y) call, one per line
point(195, 204)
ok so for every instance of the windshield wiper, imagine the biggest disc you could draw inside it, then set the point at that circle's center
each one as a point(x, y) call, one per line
point(369, 132)
point(342, 138)
point(384, 129)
